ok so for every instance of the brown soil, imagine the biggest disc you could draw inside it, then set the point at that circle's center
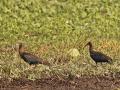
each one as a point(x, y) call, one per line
point(82, 83)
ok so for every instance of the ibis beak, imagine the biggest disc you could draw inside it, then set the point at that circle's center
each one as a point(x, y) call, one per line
point(85, 46)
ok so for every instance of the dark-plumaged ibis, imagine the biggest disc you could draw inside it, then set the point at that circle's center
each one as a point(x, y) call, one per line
point(98, 56)
point(30, 58)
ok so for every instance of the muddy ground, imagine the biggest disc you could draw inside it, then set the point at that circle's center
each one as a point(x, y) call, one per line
point(81, 83)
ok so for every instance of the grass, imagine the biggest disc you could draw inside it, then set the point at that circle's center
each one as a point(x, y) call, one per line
point(50, 28)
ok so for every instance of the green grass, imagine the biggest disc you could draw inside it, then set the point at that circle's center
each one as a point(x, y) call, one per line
point(50, 28)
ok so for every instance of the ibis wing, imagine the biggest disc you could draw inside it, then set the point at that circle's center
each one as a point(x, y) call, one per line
point(32, 58)
point(100, 56)
point(104, 56)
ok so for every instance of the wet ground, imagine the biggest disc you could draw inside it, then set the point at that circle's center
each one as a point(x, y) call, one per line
point(81, 83)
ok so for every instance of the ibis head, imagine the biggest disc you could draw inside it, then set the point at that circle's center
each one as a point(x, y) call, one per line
point(90, 45)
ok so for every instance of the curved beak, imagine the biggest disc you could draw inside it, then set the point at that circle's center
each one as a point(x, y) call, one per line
point(85, 46)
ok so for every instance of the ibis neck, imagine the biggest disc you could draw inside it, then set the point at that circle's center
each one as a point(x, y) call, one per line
point(90, 48)
point(21, 50)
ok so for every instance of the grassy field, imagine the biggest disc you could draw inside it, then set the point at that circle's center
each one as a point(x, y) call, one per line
point(50, 28)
